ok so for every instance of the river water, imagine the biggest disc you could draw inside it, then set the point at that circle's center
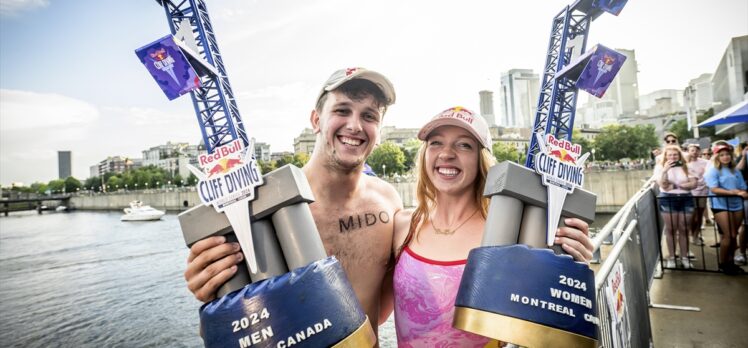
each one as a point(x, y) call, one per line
point(86, 279)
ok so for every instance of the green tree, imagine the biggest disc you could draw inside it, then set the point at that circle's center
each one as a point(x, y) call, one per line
point(620, 141)
point(192, 180)
point(93, 183)
point(38, 187)
point(507, 152)
point(680, 128)
point(388, 159)
point(285, 159)
point(114, 183)
point(410, 150)
point(178, 180)
point(56, 186)
point(42, 188)
point(266, 167)
point(300, 159)
point(72, 184)
point(578, 138)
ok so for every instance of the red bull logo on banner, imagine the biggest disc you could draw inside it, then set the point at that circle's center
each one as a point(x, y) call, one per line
point(562, 168)
point(229, 174)
point(559, 163)
point(227, 182)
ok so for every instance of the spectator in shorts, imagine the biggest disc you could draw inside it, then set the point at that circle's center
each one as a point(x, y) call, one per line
point(697, 168)
point(724, 179)
point(676, 202)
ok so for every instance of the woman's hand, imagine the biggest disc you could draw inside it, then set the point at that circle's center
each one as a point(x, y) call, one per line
point(574, 239)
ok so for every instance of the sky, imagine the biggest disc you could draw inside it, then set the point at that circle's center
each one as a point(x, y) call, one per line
point(70, 80)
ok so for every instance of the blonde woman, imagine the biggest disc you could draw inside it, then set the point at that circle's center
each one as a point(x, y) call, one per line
point(723, 179)
point(676, 202)
point(432, 242)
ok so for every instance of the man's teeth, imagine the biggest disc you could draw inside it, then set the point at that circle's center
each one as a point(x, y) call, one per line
point(350, 141)
point(448, 171)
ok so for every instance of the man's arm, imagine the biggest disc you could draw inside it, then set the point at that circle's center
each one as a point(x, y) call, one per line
point(387, 299)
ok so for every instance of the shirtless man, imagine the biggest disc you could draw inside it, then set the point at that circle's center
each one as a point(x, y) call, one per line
point(353, 212)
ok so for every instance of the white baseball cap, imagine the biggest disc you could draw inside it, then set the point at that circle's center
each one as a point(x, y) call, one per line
point(463, 118)
point(344, 75)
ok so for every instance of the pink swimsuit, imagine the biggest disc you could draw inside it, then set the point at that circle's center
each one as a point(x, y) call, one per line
point(425, 292)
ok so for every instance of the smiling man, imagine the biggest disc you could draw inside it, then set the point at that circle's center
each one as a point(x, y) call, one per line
point(353, 211)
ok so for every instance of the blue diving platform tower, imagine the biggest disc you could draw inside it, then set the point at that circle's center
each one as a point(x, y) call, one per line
point(215, 106)
point(558, 91)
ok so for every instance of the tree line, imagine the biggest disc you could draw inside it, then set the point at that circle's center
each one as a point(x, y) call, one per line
point(613, 143)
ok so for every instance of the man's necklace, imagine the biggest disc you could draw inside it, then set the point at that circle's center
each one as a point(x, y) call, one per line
point(448, 232)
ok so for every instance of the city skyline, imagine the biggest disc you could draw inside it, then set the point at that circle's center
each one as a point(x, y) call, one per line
point(71, 65)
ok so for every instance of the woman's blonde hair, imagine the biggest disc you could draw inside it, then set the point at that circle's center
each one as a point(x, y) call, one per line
point(680, 157)
point(426, 192)
point(718, 165)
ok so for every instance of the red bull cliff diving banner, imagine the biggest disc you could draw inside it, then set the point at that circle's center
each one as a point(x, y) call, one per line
point(169, 67)
point(600, 70)
point(227, 182)
point(561, 164)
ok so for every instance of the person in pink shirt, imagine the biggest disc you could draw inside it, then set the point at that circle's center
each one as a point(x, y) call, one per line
point(432, 242)
point(697, 168)
point(676, 202)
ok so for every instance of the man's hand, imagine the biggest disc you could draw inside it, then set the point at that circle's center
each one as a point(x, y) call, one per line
point(574, 239)
point(212, 262)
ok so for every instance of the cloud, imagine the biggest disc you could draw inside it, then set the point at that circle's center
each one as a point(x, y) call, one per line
point(14, 7)
point(22, 110)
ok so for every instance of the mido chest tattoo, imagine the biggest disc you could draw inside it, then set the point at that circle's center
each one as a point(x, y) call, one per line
point(358, 221)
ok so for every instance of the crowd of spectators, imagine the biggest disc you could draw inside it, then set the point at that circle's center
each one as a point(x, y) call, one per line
point(696, 184)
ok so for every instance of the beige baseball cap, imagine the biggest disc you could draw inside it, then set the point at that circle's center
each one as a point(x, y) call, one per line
point(344, 75)
point(460, 117)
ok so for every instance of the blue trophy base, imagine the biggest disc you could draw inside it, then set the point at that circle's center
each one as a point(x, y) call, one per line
point(530, 297)
point(311, 306)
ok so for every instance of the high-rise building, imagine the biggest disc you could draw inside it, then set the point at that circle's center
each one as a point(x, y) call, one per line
point(304, 143)
point(64, 164)
point(398, 136)
point(173, 157)
point(519, 98)
point(730, 80)
point(486, 107)
point(661, 102)
point(730, 84)
point(262, 151)
point(701, 92)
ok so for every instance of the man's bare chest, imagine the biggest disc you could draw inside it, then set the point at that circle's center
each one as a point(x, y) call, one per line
point(361, 230)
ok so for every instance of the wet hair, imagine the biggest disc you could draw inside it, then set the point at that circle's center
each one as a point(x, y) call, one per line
point(357, 89)
point(426, 192)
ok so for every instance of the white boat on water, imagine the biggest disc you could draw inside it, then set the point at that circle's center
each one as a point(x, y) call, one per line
point(61, 208)
point(139, 212)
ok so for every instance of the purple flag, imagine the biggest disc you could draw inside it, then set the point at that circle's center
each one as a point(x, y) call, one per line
point(168, 66)
point(600, 70)
point(611, 6)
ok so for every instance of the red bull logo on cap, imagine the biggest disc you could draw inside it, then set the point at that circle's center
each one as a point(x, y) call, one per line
point(459, 113)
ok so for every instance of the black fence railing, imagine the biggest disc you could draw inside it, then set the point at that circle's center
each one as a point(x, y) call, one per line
point(691, 237)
